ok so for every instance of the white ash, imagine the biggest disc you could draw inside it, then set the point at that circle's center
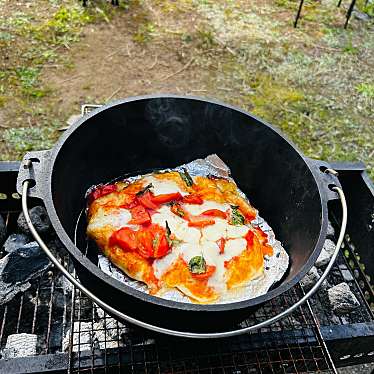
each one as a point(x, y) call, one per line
point(326, 253)
point(82, 337)
point(20, 345)
point(342, 299)
point(274, 267)
point(310, 278)
point(330, 230)
point(87, 336)
point(114, 328)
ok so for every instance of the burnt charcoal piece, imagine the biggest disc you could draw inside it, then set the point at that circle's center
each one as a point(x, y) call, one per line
point(326, 253)
point(18, 268)
point(310, 279)
point(342, 299)
point(2, 230)
point(20, 345)
point(15, 241)
point(39, 218)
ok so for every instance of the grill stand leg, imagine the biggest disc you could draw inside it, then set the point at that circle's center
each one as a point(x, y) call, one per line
point(298, 13)
point(349, 13)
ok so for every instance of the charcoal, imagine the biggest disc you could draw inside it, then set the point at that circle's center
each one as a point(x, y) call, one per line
point(2, 230)
point(20, 345)
point(342, 299)
point(325, 255)
point(113, 327)
point(310, 279)
point(82, 337)
point(39, 218)
point(88, 336)
point(15, 241)
point(20, 267)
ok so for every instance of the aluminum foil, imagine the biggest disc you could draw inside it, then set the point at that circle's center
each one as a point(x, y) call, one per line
point(274, 266)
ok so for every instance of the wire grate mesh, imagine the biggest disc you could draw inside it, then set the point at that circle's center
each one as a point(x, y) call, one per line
point(290, 346)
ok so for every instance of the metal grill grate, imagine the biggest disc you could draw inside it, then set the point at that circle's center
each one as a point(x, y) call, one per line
point(44, 309)
point(289, 346)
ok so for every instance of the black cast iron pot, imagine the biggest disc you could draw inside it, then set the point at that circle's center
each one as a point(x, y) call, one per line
point(142, 133)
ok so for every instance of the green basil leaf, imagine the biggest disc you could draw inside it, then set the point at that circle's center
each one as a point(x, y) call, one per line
point(197, 265)
point(237, 218)
point(186, 177)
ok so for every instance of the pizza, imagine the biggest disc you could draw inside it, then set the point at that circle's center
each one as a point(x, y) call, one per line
point(174, 231)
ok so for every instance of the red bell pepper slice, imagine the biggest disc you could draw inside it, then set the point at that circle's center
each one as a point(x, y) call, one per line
point(146, 200)
point(166, 198)
point(145, 243)
point(215, 213)
point(199, 221)
point(139, 216)
point(192, 199)
point(125, 238)
point(102, 191)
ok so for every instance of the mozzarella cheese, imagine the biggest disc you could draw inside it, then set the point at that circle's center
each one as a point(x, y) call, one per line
point(161, 186)
point(115, 218)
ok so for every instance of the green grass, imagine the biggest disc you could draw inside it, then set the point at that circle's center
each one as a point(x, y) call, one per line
point(24, 139)
point(366, 89)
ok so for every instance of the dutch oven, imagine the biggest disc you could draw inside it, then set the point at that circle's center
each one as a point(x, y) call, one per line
point(139, 134)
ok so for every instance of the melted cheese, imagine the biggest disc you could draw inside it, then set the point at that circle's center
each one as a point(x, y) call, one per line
point(216, 231)
point(222, 229)
point(163, 264)
point(207, 205)
point(163, 186)
point(233, 232)
point(178, 226)
point(116, 218)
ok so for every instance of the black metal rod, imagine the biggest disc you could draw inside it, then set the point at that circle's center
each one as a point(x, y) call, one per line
point(298, 13)
point(339, 3)
point(349, 13)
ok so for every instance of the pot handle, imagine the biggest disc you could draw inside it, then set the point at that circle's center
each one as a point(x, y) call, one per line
point(185, 334)
point(33, 169)
point(326, 177)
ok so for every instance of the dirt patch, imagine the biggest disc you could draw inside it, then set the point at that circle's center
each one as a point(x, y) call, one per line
point(110, 65)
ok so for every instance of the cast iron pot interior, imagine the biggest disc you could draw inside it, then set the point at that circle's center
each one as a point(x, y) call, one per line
point(134, 135)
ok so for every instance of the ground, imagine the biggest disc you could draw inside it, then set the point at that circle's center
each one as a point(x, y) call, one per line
point(315, 83)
